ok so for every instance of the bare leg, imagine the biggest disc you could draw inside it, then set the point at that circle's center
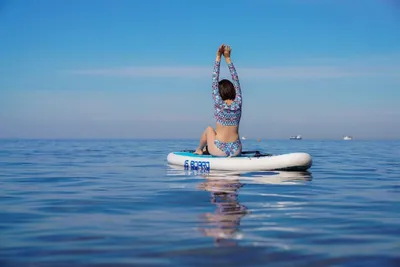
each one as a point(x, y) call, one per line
point(203, 140)
point(208, 138)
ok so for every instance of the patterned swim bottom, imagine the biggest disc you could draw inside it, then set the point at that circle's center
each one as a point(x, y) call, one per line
point(231, 149)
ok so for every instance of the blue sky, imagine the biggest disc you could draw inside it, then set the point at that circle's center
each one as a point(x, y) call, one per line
point(142, 69)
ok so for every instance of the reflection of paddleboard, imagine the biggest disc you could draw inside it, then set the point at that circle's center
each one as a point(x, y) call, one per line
point(247, 161)
point(252, 177)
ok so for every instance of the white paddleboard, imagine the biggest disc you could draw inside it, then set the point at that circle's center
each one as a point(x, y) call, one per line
point(247, 161)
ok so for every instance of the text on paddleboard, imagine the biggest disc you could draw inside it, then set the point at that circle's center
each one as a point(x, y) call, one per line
point(197, 165)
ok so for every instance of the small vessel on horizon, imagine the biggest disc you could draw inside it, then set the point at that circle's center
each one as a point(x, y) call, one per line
point(296, 137)
point(244, 138)
point(347, 137)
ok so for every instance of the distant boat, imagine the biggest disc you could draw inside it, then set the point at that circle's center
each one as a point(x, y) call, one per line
point(347, 137)
point(296, 137)
point(244, 138)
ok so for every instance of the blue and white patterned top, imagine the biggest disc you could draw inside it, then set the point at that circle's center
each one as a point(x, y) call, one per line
point(227, 115)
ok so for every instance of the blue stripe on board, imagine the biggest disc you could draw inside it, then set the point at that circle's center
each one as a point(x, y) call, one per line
point(188, 154)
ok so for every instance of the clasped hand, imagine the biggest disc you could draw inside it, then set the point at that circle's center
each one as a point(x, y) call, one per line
point(224, 50)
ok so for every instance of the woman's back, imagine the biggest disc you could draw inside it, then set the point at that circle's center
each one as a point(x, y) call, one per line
point(227, 112)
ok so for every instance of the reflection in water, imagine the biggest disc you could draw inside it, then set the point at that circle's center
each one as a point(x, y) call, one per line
point(277, 177)
point(224, 187)
point(225, 221)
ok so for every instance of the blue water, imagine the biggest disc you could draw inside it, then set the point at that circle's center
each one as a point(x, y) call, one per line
point(117, 203)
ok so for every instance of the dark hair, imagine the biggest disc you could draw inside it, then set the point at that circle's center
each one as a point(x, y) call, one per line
point(226, 90)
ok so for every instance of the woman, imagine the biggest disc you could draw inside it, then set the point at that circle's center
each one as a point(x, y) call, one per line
point(224, 140)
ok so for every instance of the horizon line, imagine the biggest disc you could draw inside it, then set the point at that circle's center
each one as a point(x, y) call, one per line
point(188, 138)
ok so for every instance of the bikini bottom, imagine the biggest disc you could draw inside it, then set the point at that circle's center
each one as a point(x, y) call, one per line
point(231, 149)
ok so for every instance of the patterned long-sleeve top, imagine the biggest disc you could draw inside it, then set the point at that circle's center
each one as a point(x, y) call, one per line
point(227, 115)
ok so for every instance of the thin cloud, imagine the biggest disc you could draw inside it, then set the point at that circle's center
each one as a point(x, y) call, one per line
point(146, 71)
point(305, 72)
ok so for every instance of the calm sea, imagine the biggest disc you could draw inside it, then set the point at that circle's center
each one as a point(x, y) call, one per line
point(118, 203)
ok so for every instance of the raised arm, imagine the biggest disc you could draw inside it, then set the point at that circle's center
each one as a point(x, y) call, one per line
point(215, 77)
point(235, 78)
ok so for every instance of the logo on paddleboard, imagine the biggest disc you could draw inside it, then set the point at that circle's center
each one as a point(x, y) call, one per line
point(197, 165)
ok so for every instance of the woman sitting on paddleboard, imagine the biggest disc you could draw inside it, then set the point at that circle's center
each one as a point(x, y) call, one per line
point(224, 140)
